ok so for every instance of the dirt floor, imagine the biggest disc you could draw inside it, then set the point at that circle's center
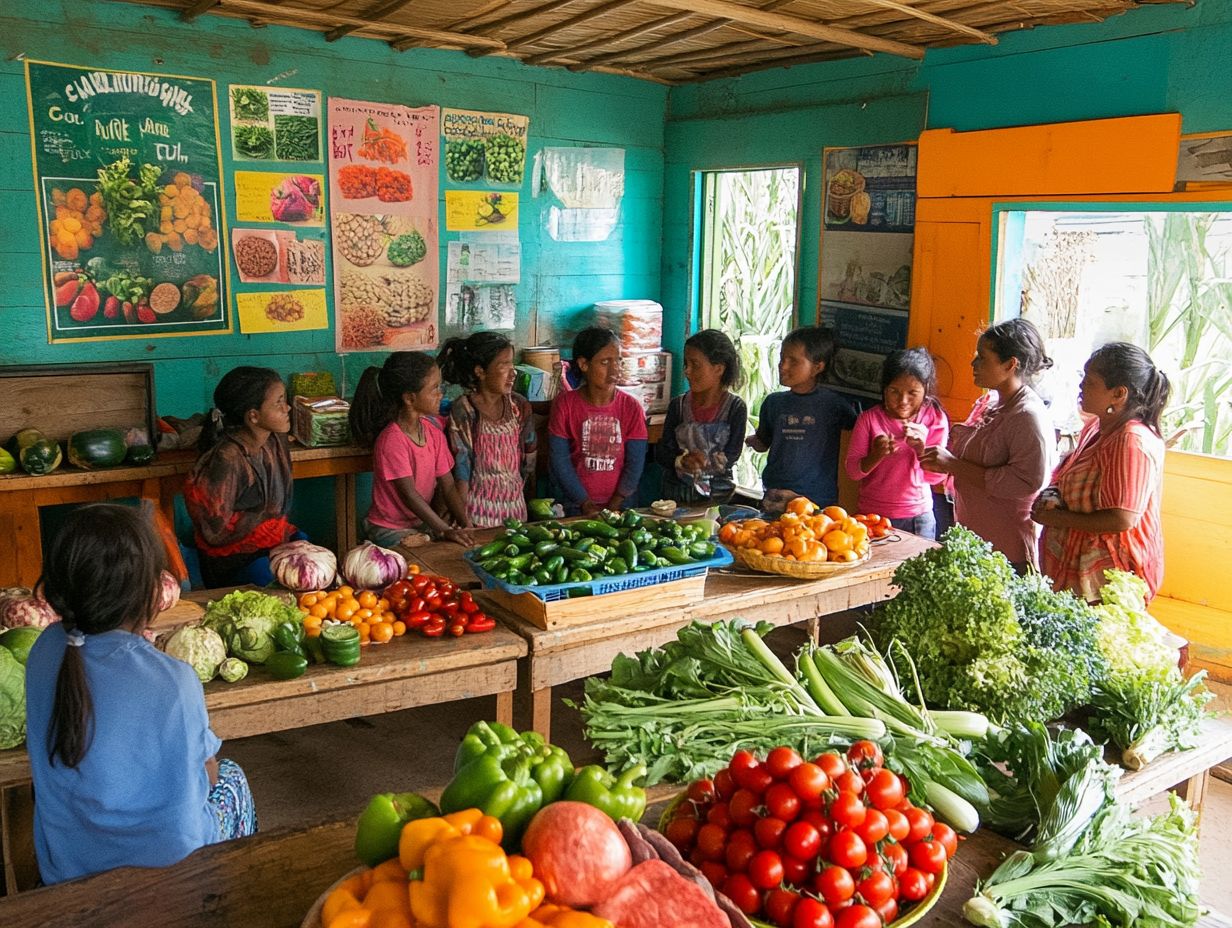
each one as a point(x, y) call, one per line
point(327, 772)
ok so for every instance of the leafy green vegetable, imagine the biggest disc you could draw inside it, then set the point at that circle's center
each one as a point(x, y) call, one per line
point(132, 206)
point(407, 249)
point(254, 141)
point(1146, 714)
point(12, 700)
point(298, 138)
point(246, 620)
point(1122, 870)
point(249, 103)
point(984, 638)
point(1131, 639)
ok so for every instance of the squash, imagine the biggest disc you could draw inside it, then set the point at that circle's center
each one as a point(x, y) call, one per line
point(139, 455)
point(36, 453)
point(8, 463)
point(95, 448)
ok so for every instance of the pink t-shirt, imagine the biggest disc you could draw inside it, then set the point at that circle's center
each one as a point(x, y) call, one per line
point(394, 456)
point(597, 436)
point(898, 486)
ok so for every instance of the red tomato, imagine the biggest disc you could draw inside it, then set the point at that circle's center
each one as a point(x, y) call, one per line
point(851, 780)
point(895, 857)
point(858, 916)
point(701, 791)
point(928, 856)
point(835, 884)
point(720, 815)
point(832, 763)
point(874, 827)
point(418, 619)
point(819, 820)
point(711, 842)
point(864, 754)
point(911, 885)
point(897, 823)
point(766, 869)
point(420, 581)
point(802, 841)
point(742, 760)
point(884, 790)
point(810, 913)
point(876, 888)
point(682, 831)
point(779, 905)
point(809, 781)
point(782, 761)
point(724, 784)
point(847, 810)
point(742, 893)
point(782, 802)
point(743, 805)
point(715, 872)
point(741, 846)
point(769, 833)
point(888, 910)
point(416, 604)
point(944, 835)
point(756, 779)
point(920, 823)
point(797, 872)
point(847, 849)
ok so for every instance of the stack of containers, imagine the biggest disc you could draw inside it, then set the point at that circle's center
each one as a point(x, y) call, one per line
point(646, 370)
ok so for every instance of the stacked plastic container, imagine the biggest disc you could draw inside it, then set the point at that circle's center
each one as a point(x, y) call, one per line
point(646, 369)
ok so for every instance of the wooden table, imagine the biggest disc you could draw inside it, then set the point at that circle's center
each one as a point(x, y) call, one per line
point(21, 497)
point(1189, 772)
point(407, 673)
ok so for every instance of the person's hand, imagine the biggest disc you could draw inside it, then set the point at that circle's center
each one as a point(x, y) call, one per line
point(460, 536)
point(590, 507)
point(693, 462)
point(756, 443)
point(1046, 503)
point(937, 459)
point(882, 447)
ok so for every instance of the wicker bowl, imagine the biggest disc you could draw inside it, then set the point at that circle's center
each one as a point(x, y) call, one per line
point(313, 918)
point(800, 570)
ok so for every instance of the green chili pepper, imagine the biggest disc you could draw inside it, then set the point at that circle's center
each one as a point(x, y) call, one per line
point(580, 575)
point(596, 529)
point(545, 548)
point(491, 549)
point(628, 552)
point(617, 566)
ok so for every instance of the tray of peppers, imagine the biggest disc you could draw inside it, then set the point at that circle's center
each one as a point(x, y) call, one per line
point(612, 552)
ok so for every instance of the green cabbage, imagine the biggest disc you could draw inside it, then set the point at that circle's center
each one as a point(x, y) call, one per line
point(12, 700)
point(246, 620)
point(200, 648)
point(1132, 641)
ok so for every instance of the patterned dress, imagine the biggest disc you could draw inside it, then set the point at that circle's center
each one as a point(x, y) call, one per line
point(493, 458)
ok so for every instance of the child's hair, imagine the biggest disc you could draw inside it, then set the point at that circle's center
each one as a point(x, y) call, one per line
point(1120, 364)
point(102, 571)
point(590, 341)
point(459, 357)
point(1018, 338)
point(241, 390)
point(914, 362)
point(379, 394)
point(817, 341)
point(717, 348)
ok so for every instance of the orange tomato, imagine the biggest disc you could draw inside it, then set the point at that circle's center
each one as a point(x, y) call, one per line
point(345, 612)
point(742, 538)
point(847, 555)
point(412, 569)
point(837, 541)
point(399, 628)
point(771, 546)
point(754, 525)
point(367, 599)
point(816, 552)
point(345, 591)
point(312, 621)
point(382, 632)
point(310, 599)
point(728, 532)
point(362, 614)
point(802, 506)
point(382, 605)
point(837, 513)
point(798, 548)
point(318, 612)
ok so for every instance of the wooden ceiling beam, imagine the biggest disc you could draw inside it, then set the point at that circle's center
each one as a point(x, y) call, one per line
point(274, 13)
point(614, 39)
point(724, 9)
point(533, 38)
point(497, 24)
point(373, 13)
point(950, 24)
point(475, 17)
point(188, 14)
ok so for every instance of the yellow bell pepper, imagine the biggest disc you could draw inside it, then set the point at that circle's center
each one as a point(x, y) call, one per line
point(469, 882)
point(419, 835)
point(559, 916)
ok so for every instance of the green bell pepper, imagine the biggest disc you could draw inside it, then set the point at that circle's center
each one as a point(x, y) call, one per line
point(289, 636)
point(617, 796)
point(380, 824)
point(550, 766)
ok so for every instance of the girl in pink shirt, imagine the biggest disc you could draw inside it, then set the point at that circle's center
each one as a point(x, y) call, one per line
point(394, 412)
point(888, 439)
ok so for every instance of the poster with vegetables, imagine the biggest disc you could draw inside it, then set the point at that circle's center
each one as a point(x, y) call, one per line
point(487, 147)
point(383, 178)
point(264, 196)
point(281, 311)
point(275, 124)
point(130, 205)
point(480, 211)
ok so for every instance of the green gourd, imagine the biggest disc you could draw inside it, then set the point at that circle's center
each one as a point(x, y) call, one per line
point(95, 448)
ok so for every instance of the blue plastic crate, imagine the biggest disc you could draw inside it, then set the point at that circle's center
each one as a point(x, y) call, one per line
point(558, 591)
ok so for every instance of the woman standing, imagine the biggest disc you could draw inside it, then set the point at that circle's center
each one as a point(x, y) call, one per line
point(1102, 510)
point(1000, 457)
point(491, 429)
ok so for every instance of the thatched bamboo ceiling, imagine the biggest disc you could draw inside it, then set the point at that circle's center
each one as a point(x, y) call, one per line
point(670, 41)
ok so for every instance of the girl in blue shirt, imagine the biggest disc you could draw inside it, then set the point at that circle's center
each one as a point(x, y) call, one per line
point(124, 763)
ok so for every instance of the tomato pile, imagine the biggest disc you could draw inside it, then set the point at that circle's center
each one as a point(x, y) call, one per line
point(828, 843)
point(434, 606)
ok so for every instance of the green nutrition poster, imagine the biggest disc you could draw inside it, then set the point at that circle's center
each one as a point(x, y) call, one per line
point(131, 213)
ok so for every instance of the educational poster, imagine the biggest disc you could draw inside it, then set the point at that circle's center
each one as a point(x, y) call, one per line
point(383, 176)
point(264, 256)
point(265, 196)
point(870, 189)
point(489, 147)
point(480, 211)
point(865, 336)
point(480, 288)
point(281, 311)
point(130, 203)
point(275, 123)
point(873, 270)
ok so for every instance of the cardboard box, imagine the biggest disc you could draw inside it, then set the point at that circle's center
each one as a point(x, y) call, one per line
point(536, 384)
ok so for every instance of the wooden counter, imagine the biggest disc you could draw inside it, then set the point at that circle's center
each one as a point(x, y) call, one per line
point(21, 497)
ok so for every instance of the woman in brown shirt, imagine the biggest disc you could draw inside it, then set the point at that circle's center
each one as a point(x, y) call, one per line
point(1000, 457)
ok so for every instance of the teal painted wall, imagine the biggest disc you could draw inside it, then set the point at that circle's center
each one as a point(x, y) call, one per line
point(1155, 59)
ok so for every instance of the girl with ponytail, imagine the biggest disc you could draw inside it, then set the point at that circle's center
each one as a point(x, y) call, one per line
point(1102, 510)
point(124, 763)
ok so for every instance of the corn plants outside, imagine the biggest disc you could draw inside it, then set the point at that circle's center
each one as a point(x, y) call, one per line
point(1189, 325)
point(749, 280)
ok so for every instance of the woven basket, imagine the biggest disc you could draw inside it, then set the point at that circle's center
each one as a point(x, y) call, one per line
point(313, 918)
point(800, 570)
